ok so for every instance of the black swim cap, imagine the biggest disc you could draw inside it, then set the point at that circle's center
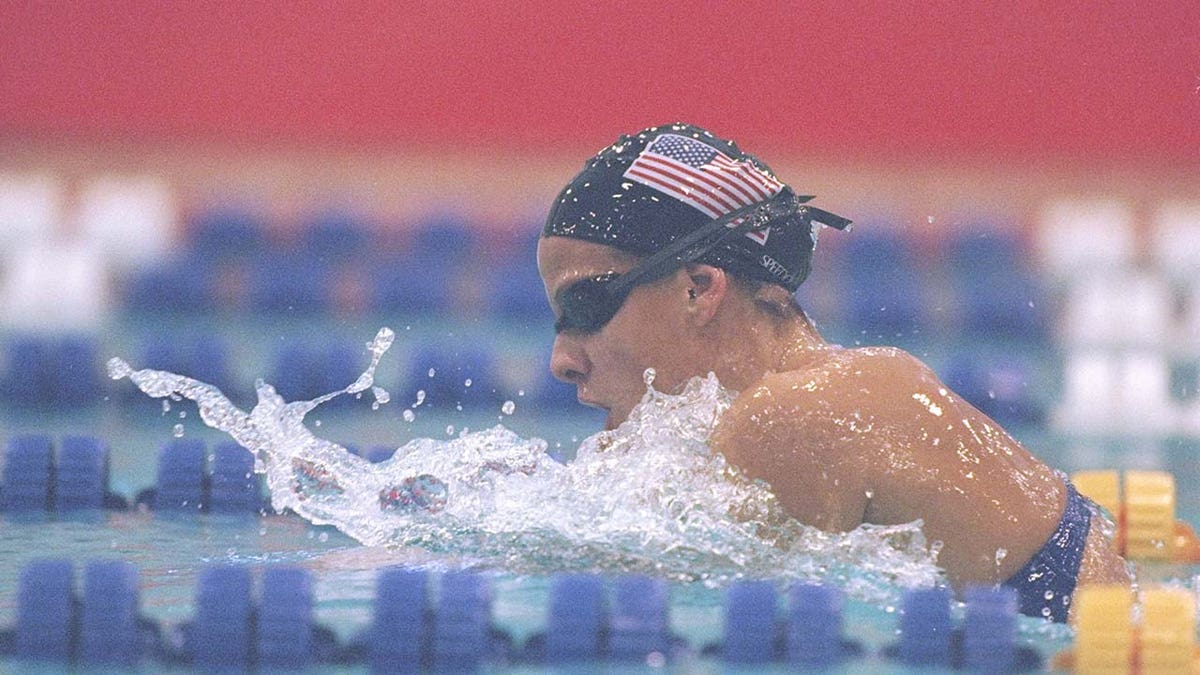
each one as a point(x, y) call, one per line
point(645, 191)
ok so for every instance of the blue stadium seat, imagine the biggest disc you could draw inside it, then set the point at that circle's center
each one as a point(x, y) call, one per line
point(517, 294)
point(27, 477)
point(880, 283)
point(81, 478)
point(549, 392)
point(443, 238)
point(336, 235)
point(203, 357)
point(304, 371)
point(1003, 388)
point(453, 367)
point(1003, 305)
point(227, 232)
point(176, 287)
point(77, 372)
point(408, 287)
point(289, 283)
point(981, 248)
point(28, 375)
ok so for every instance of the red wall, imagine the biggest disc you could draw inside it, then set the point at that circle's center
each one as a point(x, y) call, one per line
point(929, 79)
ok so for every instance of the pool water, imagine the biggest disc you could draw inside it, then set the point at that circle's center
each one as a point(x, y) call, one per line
point(169, 551)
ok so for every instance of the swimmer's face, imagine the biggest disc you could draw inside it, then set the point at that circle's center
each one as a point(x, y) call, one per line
point(648, 331)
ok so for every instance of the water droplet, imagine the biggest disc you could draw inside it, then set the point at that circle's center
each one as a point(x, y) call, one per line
point(648, 376)
point(432, 372)
point(508, 408)
point(1001, 554)
point(117, 368)
point(381, 395)
point(1049, 595)
point(467, 382)
point(182, 414)
point(520, 392)
point(177, 432)
point(420, 397)
point(323, 537)
point(449, 429)
point(409, 416)
point(166, 406)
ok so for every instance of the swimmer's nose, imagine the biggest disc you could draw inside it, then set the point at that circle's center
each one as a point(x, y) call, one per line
point(567, 361)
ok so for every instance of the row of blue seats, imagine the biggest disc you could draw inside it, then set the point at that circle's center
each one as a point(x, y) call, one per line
point(49, 372)
point(885, 282)
point(1003, 304)
point(63, 373)
point(233, 629)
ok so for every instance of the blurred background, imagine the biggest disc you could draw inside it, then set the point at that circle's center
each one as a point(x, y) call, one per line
point(245, 190)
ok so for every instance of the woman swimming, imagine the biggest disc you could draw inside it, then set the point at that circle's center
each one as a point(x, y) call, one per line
point(674, 250)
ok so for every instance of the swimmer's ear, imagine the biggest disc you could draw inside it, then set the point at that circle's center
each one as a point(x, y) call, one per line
point(708, 286)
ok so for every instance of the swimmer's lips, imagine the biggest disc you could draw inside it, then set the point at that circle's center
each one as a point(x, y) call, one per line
point(609, 422)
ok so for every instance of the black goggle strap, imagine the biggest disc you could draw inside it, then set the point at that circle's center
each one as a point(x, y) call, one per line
point(698, 242)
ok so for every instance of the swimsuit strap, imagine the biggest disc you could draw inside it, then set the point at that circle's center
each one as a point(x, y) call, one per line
point(1045, 584)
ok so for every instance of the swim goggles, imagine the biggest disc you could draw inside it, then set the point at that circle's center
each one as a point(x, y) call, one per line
point(589, 304)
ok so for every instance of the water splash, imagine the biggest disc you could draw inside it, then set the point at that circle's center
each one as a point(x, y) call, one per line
point(649, 496)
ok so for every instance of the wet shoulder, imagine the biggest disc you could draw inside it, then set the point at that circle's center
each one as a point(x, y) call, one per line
point(836, 389)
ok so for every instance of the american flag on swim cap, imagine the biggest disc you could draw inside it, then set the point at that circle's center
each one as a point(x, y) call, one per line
point(701, 176)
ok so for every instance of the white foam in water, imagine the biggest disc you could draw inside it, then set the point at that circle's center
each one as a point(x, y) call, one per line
point(648, 496)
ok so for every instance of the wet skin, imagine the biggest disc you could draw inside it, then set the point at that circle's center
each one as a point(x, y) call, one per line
point(843, 436)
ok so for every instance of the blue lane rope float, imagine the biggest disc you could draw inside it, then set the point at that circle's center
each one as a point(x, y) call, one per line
point(640, 622)
point(285, 625)
point(109, 632)
point(814, 631)
point(751, 627)
point(234, 629)
point(221, 634)
point(990, 629)
point(399, 636)
point(46, 610)
point(461, 626)
point(577, 618)
point(925, 627)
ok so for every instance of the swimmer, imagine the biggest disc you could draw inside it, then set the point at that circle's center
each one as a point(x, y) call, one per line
point(674, 250)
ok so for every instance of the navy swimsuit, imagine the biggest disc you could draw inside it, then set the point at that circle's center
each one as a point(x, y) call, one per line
point(1045, 584)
